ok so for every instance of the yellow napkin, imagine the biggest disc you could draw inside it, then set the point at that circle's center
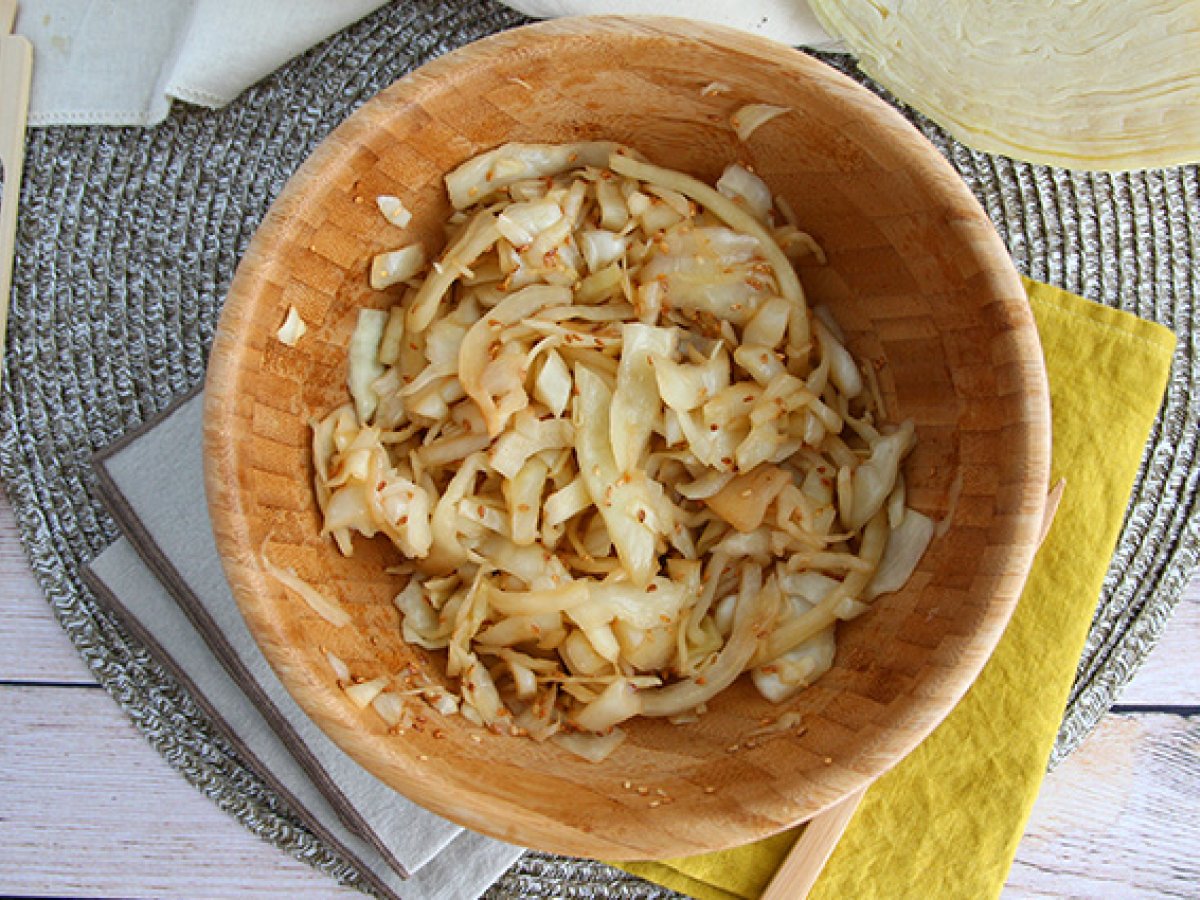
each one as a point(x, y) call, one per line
point(946, 821)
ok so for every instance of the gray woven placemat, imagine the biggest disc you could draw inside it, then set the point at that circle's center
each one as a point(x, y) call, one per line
point(128, 239)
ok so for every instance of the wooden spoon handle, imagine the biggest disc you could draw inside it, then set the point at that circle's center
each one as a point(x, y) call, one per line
point(15, 68)
point(811, 851)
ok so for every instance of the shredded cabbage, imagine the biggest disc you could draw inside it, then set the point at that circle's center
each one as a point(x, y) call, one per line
point(635, 403)
point(751, 117)
point(619, 497)
point(364, 693)
point(329, 610)
point(394, 210)
point(743, 186)
point(364, 365)
point(906, 545)
point(624, 462)
point(396, 266)
point(292, 329)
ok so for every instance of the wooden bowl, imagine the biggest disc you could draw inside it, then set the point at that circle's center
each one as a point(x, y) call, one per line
point(915, 274)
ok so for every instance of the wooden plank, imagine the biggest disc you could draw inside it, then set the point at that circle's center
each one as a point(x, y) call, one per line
point(90, 810)
point(33, 646)
point(1169, 675)
point(1118, 818)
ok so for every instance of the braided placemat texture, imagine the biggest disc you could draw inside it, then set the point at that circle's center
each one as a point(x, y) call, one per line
point(128, 240)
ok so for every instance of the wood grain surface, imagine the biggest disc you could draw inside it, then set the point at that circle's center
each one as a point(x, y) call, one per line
point(32, 646)
point(1161, 680)
point(1120, 819)
point(955, 338)
point(91, 811)
point(77, 780)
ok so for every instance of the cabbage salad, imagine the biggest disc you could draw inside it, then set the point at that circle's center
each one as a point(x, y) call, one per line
point(623, 460)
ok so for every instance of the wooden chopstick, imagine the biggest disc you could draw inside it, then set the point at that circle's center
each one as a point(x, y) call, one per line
point(16, 68)
point(812, 850)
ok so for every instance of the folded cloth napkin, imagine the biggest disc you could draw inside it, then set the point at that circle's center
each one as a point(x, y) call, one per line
point(166, 581)
point(462, 868)
point(947, 820)
point(99, 62)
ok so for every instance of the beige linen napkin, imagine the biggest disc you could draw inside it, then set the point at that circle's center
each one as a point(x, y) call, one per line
point(168, 583)
point(121, 62)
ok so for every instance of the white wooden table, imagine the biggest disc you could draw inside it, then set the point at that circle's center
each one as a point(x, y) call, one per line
point(89, 809)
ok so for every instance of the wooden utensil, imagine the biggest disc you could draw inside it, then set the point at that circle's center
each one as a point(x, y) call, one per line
point(917, 277)
point(16, 68)
point(804, 862)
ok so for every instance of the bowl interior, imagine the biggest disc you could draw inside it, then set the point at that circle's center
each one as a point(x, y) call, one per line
point(915, 275)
